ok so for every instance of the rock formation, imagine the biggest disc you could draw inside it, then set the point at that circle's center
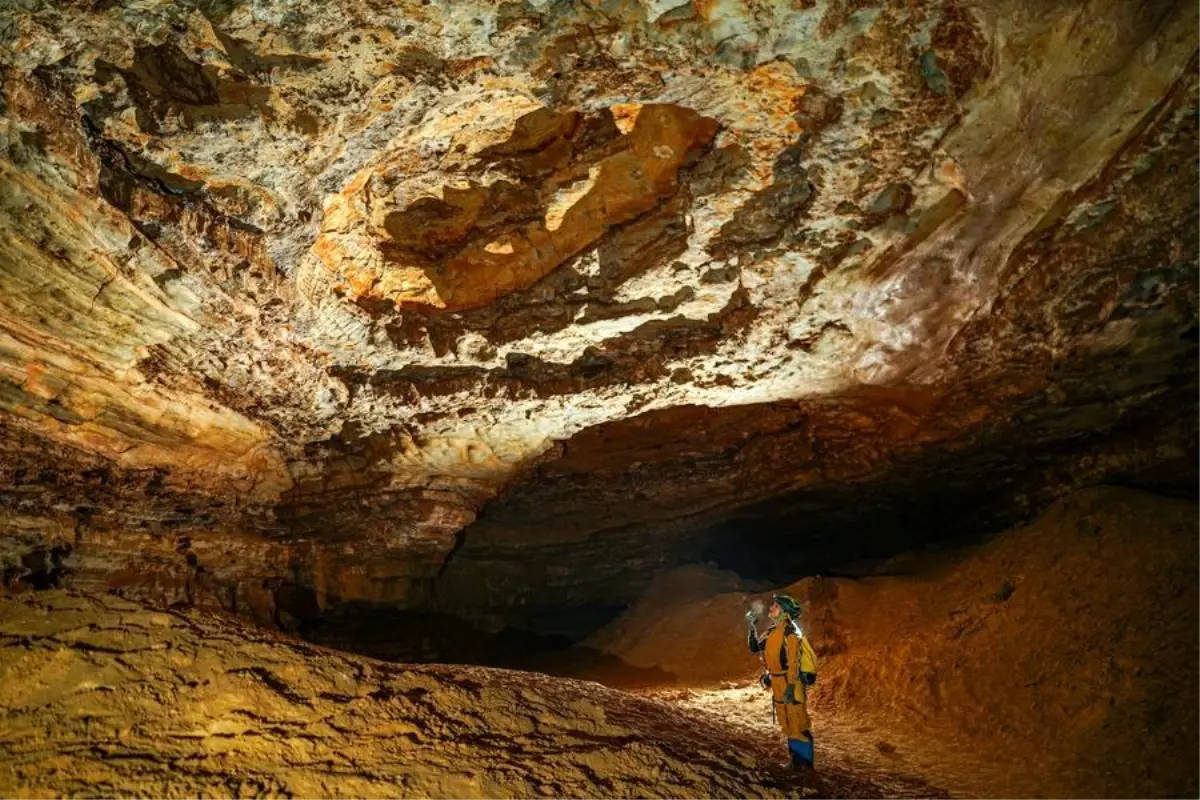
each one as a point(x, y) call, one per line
point(104, 697)
point(497, 309)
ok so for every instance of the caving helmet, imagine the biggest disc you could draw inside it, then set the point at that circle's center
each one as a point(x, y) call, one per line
point(788, 605)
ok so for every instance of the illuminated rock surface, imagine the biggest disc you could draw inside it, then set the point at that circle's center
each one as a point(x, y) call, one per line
point(497, 309)
point(106, 697)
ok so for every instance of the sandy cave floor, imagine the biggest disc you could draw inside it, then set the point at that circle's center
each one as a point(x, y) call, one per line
point(106, 696)
point(849, 749)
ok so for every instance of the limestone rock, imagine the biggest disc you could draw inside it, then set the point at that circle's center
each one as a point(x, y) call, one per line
point(290, 292)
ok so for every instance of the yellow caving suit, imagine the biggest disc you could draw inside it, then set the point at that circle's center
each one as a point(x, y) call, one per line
point(791, 662)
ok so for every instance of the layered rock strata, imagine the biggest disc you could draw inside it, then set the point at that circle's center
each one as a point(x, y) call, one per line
point(290, 295)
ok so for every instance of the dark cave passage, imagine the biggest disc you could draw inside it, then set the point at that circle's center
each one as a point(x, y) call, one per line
point(771, 545)
point(415, 637)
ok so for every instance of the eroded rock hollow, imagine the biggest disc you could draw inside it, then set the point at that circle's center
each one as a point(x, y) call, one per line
point(352, 318)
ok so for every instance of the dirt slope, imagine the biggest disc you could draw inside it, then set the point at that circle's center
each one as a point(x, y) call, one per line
point(689, 623)
point(1057, 659)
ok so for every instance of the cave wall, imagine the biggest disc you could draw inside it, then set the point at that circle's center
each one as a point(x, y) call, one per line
point(500, 309)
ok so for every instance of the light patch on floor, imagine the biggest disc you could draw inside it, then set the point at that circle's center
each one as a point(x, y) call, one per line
point(844, 746)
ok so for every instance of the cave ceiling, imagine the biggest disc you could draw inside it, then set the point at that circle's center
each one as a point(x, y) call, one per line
point(342, 299)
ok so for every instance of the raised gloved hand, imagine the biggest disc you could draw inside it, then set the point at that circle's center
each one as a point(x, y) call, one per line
point(751, 616)
point(789, 694)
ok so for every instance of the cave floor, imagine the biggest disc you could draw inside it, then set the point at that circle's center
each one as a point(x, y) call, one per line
point(105, 697)
point(850, 750)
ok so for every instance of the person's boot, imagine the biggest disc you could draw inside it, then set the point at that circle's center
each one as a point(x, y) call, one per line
point(801, 751)
point(801, 764)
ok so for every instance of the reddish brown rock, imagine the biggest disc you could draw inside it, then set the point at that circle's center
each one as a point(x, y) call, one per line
point(501, 310)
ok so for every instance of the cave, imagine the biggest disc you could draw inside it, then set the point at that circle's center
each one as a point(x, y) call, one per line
point(423, 398)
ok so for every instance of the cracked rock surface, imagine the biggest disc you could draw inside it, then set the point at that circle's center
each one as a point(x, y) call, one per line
point(498, 308)
point(103, 696)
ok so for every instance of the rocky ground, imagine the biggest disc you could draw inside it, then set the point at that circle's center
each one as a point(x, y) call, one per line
point(847, 747)
point(105, 697)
